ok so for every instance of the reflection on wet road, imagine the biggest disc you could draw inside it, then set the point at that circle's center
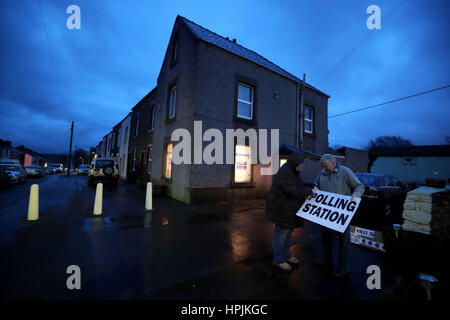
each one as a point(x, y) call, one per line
point(178, 251)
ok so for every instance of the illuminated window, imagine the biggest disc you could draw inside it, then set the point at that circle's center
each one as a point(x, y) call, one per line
point(168, 162)
point(282, 161)
point(245, 102)
point(309, 119)
point(242, 164)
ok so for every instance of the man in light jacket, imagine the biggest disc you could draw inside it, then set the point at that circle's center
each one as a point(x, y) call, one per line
point(341, 180)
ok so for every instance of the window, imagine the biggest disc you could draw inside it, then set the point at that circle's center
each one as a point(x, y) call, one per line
point(149, 160)
point(242, 164)
point(309, 119)
point(168, 161)
point(152, 119)
point(172, 102)
point(282, 161)
point(136, 132)
point(125, 134)
point(245, 102)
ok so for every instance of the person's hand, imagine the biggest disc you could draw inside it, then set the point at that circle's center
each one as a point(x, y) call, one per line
point(354, 196)
point(313, 193)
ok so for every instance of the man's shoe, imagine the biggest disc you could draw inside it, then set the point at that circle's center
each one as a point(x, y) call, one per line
point(293, 260)
point(284, 266)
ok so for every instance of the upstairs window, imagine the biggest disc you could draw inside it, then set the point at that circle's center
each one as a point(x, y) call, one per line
point(172, 102)
point(245, 102)
point(309, 119)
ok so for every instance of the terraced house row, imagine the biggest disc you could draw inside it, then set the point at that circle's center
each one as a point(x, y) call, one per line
point(206, 77)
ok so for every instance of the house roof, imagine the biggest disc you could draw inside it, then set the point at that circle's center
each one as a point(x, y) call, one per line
point(147, 96)
point(231, 46)
point(412, 151)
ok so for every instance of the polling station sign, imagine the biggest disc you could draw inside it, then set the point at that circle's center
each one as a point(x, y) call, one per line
point(331, 210)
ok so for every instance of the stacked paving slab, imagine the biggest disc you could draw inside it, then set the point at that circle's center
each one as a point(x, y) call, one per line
point(427, 211)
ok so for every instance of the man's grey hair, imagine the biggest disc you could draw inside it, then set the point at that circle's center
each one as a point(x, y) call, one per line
point(327, 158)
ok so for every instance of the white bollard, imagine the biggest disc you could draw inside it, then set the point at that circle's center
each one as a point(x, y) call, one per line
point(148, 197)
point(33, 204)
point(98, 199)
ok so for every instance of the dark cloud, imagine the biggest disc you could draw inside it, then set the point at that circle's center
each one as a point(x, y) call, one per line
point(95, 75)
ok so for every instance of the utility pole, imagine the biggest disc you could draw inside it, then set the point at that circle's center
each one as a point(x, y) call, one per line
point(70, 150)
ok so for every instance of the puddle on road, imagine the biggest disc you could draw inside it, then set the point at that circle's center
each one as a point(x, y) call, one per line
point(146, 221)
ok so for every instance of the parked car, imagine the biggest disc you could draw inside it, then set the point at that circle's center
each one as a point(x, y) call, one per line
point(83, 169)
point(49, 169)
point(58, 167)
point(9, 161)
point(383, 198)
point(4, 178)
point(16, 172)
point(34, 171)
point(104, 169)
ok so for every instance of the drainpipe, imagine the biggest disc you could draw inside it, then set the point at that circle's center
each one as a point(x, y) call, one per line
point(301, 111)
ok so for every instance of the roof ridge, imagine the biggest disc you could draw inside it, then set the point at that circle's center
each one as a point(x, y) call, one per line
point(242, 47)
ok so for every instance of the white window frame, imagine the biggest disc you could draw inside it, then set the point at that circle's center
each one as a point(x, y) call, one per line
point(172, 102)
point(311, 120)
point(244, 101)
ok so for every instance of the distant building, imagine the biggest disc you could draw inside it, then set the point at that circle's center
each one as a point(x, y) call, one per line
point(123, 138)
point(25, 156)
point(412, 164)
point(355, 159)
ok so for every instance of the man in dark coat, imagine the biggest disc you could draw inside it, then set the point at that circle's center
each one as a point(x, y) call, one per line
point(285, 198)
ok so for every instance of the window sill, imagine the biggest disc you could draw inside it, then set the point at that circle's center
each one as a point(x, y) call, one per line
point(171, 120)
point(246, 121)
point(243, 184)
point(312, 135)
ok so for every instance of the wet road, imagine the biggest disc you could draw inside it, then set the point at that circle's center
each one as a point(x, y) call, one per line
point(220, 251)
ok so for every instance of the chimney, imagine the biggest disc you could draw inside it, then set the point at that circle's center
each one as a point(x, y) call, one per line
point(234, 40)
point(227, 38)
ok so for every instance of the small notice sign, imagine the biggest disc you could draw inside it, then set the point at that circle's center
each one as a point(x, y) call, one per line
point(367, 238)
point(331, 210)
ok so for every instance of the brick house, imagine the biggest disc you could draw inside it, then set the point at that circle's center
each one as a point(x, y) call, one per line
point(141, 137)
point(209, 78)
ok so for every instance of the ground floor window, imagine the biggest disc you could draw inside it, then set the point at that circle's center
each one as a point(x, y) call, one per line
point(168, 161)
point(282, 161)
point(242, 164)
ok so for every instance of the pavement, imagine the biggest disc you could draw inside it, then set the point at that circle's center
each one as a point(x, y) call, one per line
point(175, 251)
